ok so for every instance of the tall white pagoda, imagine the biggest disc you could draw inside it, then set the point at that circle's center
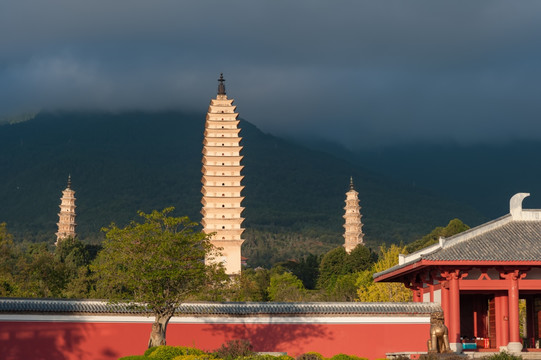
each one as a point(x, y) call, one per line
point(353, 226)
point(66, 223)
point(222, 181)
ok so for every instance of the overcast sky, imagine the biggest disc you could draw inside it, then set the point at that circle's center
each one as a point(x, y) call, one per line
point(364, 73)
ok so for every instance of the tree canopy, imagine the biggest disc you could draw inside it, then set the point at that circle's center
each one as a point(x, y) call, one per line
point(158, 262)
point(370, 291)
point(455, 226)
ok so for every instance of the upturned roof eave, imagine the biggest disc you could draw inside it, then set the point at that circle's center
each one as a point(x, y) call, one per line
point(421, 264)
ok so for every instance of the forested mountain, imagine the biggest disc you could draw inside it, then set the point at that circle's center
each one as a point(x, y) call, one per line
point(124, 162)
point(483, 176)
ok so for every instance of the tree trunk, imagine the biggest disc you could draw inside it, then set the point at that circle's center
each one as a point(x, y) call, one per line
point(157, 335)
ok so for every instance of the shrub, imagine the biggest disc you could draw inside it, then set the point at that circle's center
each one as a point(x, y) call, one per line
point(165, 352)
point(193, 351)
point(449, 356)
point(346, 357)
point(503, 356)
point(266, 357)
point(202, 356)
point(149, 350)
point(310, 356)
point(284, 357)
point(134, 357)
point(234, 349)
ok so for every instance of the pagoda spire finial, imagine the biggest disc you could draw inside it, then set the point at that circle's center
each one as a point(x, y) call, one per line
point(69, 181)
point(351, 183)
point(221, 85)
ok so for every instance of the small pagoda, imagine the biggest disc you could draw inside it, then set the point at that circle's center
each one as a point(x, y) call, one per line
point(353, 234)
point(66, 223)
point(222, 181)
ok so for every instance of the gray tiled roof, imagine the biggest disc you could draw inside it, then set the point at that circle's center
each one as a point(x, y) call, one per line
point(8, 305)
point(500, 240)
point(514, 241)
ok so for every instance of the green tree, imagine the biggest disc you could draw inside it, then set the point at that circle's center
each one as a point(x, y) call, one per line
point(252, 285)
point(158, 262)
point(344, 288)
point(331, 266)
point(8, 260)
point(286, 287)
point(359, 259)
point(74, 256)
point(455, 226)
point(306, 269)
point(72, 252)
point(370, 291)
point(39, 274)
point(339, 270)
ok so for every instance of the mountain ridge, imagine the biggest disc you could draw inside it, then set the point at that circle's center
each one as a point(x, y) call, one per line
point(124, 162)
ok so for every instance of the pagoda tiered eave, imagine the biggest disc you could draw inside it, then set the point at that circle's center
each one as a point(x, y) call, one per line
point(208, 200)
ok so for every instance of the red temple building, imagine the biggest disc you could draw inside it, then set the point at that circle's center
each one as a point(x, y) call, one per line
point(480, 277)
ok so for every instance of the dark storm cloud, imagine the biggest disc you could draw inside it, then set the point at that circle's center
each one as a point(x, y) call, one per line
point(363, 73)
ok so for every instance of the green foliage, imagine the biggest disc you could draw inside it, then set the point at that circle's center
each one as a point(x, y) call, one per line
point(449, 356)
point(72, 252)
point(234, 349)
point(339, 271)
point(310, 356)
point(134, 357)
point(344, 288)
point(165, 352)
point(369, 291)
point(284, 357)
point(267, 357)
point(252, 285)
point(195, 357)
point(306, 269)
point(503, 356)
point(286, 287)
point(158, 261)
point(294, 196)
point(8, 260)
point(455, 226)
point(347, 357)
point(150, 350)
point(359, 259)
point(40, 274)
point(332, 265)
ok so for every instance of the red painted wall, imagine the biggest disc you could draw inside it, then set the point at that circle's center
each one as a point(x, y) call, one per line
point(95, 341)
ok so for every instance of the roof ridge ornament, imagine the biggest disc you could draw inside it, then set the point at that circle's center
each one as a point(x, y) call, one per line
point(515, 205)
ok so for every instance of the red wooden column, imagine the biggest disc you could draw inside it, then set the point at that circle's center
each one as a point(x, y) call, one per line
point(416, 289)
point(498, 320)
point(445, 299)
point(514, 345)
point(454, 313)
point(504, 319)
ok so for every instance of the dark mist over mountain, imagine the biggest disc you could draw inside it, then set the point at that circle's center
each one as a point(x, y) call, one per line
point(483, 176)
point(124, 162)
